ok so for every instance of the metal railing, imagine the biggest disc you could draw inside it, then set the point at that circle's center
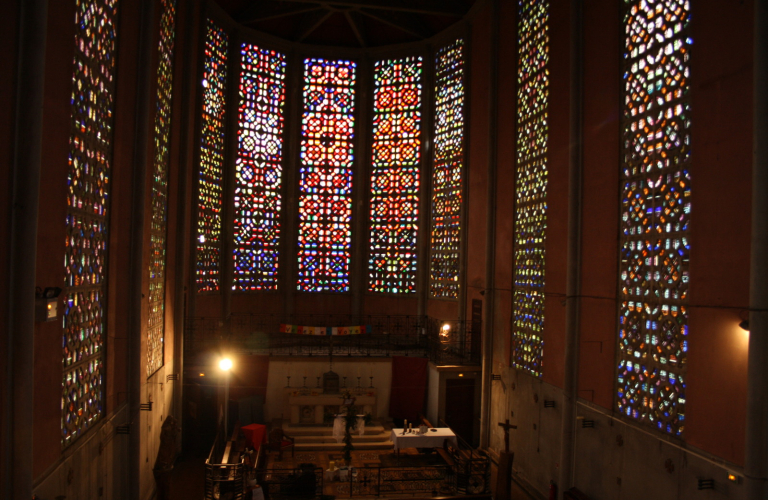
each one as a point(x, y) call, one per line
point(395, 481)
point(386, 335)
point(224, 468)
point(472, 466)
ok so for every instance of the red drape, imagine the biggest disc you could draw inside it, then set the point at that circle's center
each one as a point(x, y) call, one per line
point(409, 386)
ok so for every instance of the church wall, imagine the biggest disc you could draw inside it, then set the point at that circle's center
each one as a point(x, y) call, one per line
point(600, 203)
point(536, 441)
point(557, 194)
point(721, 152)
point(8, 38)
point(52, 231)
point(322, 303)
point(281, 367)
point(505, 188)
point(443, 309)
point(620, 460)
point(616, 458)
point(377, 304)
point(96, 469)
point(96, 465)
point(477, 158)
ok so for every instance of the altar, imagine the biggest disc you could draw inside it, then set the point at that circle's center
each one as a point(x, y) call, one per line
point(321, 404)
point(311, 408)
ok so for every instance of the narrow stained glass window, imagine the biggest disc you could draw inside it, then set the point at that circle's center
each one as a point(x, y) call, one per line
point(87, 218)
point(395, 175)
point(531, 183)
point(448, 172)
point(156, 321)
point(210, 176)
point(259, 169)
point(656, 206)
point(325, 183)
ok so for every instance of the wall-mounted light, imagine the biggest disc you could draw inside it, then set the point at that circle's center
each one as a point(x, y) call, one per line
point(461, 374)
point(225, 364)
point(744, 325)
point(46, 304)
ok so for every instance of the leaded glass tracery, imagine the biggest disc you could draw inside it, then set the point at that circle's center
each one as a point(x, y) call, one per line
point(395, 175)
point(448, 172)
point(88, 179)
point(325, 179)
point(653, 310)
point(531, 183)
point(258, 169)
point(211, 170)
point(158, 228)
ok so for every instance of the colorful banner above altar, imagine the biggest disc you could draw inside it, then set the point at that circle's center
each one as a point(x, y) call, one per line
point(325, 330)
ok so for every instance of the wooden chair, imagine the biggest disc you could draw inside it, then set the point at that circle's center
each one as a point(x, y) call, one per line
point(278, 441)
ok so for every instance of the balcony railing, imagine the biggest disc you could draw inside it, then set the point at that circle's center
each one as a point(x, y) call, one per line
point(442, 342)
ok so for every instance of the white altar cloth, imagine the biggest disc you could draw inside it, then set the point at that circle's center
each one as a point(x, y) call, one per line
point(428, 440)
point(338, 427)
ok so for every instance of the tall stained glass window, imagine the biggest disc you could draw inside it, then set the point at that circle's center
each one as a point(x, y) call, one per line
point(531, 183)
point(87, 217)
point(156, 321)
point(656, 207)
point(210, 178)
point(448, 172)
point(325, 179)
point(259, 168)
point(395, 175)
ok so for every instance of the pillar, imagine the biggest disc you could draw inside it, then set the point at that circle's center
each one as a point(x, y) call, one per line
point(573, 276)
point(756, 459)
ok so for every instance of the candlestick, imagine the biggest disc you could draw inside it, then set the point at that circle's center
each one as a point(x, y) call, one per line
point(289, 381)
point(318, 382)
point(305, 381)
point(371, 386)
point(358, 381)
point(345, 381)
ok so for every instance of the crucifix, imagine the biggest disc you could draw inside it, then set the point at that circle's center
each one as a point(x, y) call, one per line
point(504, 476)
point(506, 425)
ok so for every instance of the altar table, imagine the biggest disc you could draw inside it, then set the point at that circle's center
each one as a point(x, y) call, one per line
point(428, 440)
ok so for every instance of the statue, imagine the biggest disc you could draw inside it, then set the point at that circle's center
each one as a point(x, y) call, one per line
point(166, 455)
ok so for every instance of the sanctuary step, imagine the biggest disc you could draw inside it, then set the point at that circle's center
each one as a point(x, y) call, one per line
point(317, 438)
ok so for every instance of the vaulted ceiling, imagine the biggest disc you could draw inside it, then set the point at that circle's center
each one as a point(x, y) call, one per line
point(348, 23)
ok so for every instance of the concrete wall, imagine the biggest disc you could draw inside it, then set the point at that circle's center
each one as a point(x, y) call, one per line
point(281, 368)
point(96, 466)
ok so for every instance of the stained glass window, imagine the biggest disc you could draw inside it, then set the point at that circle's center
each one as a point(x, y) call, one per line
point(210, 178)
point(258, 176)
point(531, 183)
point(156, 321)
point(395, 175)
point(653, 312)
point(448, 172)
point(325, 179)
point(88, 179)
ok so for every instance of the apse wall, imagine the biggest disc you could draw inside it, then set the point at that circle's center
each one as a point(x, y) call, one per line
point(283, 293)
